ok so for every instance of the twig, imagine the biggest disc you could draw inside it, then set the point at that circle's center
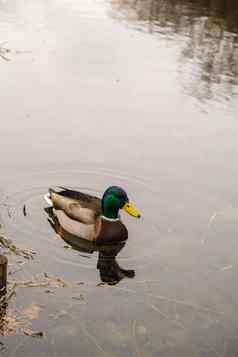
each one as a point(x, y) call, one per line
point(32, 284)
point(49, 280)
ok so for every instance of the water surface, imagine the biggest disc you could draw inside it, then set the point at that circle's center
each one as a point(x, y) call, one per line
point(141, 94)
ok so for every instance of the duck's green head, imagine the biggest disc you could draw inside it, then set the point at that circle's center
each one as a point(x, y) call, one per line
point(114, 199)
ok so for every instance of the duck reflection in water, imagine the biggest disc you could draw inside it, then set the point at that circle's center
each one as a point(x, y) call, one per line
point(110, 271)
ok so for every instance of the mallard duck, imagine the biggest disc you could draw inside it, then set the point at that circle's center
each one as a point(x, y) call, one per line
point(89, 217)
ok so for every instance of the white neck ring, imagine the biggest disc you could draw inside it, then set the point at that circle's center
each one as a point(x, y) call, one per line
point(110, 219)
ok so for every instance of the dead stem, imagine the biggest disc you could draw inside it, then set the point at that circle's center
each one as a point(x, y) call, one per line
point(32, 284)
point(47, 281)
point(7, 243)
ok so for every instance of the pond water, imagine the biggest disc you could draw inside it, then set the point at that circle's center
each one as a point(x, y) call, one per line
point(141, 94)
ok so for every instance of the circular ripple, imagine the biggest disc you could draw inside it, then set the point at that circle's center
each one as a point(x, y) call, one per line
point(26, 221)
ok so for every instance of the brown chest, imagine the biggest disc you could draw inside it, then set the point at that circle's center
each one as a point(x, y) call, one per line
point(112, 232)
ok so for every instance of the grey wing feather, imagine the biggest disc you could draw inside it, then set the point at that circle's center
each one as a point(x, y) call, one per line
point(77, 205)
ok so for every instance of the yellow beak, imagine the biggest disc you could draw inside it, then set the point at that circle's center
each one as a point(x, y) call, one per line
point(129, 208)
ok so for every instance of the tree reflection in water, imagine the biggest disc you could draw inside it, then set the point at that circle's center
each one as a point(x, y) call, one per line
point(208, 32)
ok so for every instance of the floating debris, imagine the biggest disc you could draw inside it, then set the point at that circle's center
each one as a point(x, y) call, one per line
point(6, 243)
point(15, 321)
point(24, 210)
point(29, 332)
point(4, 51)
point(228, 267)
point(49, 291)
point(47, 281)
point(58, 282)
point(32, 284)
point(25, 253)
point(79, 298)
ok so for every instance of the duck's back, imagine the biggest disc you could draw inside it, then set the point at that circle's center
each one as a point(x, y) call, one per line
point(85, 200)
